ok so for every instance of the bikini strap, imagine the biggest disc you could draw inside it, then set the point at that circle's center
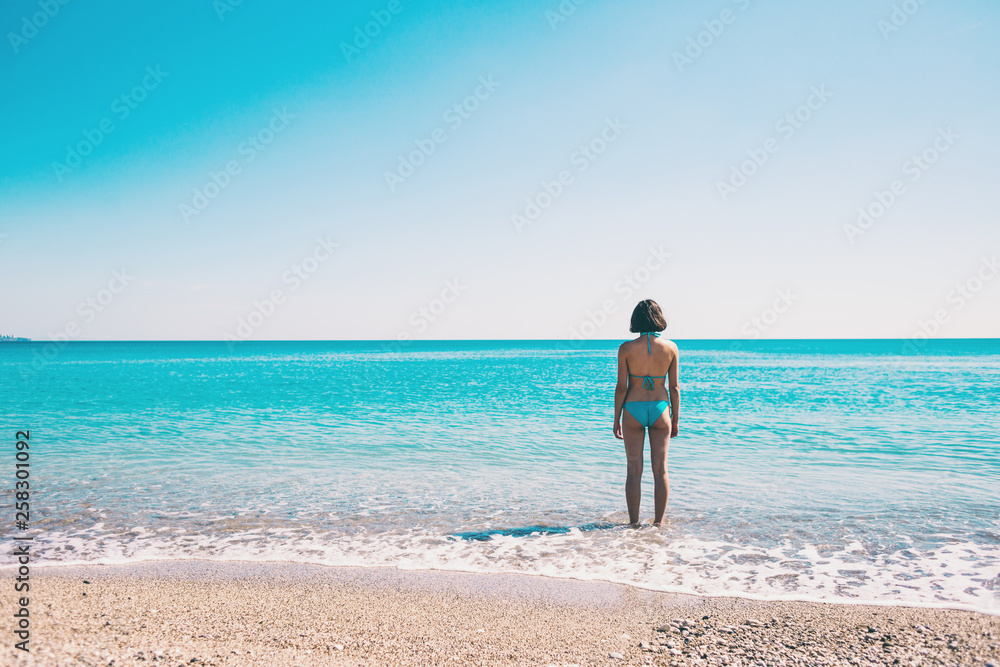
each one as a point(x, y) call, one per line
point(647, 334)
point(647, 380)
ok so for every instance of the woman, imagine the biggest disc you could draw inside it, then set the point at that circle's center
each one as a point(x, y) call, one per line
point(647, 380)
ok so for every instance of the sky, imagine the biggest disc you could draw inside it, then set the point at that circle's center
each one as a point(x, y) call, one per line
point(499, 170)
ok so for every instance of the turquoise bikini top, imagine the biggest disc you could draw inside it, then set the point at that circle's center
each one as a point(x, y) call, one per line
point(647, 380)
point(647, 334)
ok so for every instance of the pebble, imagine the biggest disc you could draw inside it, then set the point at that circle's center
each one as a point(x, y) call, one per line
point(616, 656)
point(338, 647)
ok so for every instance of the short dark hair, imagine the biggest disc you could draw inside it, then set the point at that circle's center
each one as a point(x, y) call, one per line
point(647, 316)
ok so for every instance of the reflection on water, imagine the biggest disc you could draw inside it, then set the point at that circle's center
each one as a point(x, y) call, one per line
point(527, 531)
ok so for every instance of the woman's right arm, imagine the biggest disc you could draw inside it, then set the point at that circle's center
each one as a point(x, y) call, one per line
point(675, 392)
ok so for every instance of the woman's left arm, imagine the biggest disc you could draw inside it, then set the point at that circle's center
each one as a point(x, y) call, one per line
point(621, 388)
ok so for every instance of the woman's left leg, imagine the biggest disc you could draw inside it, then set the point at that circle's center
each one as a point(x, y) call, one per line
point(635, 439)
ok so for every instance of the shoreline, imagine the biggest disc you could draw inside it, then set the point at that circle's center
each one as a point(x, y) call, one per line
point(266, 612)
point(171, 563)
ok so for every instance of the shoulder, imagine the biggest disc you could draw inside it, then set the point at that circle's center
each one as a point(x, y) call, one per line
point(673, 347)
point(627, 347)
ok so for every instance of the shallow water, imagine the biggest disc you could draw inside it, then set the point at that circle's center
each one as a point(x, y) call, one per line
point(830, 470)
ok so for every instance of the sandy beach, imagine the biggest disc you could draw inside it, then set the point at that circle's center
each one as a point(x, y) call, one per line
point(211, 613)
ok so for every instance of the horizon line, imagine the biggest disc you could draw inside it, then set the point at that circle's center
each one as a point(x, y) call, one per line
point(14, 340)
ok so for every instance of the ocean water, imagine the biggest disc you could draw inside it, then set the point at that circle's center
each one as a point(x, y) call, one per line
point(814, 470)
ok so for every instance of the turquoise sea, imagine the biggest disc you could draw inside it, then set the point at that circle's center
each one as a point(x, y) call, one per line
point(817, 470)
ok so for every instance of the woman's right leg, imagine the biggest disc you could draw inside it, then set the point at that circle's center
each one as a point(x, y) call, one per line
point(635, 438)
point(659, 442)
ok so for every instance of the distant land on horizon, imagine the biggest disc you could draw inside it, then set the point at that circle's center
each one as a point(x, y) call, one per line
point(13, 339)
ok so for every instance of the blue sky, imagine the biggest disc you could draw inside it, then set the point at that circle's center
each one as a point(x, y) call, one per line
point(307, 238)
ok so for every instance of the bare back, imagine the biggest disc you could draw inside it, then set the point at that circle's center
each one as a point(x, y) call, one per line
point(650, 357)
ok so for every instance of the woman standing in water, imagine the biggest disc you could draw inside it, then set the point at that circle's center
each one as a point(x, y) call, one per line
point(647, 386)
